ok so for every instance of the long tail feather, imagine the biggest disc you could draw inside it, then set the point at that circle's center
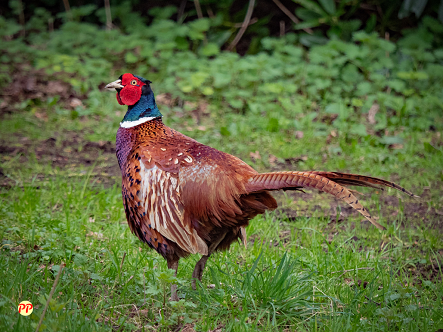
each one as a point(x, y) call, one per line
point(361, 180)
point(329, 182)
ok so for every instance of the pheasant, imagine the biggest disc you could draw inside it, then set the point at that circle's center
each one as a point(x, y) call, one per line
point(182, 197)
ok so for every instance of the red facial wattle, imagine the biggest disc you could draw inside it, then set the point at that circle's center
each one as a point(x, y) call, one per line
point(119, 99)
point(132, 90)
point(130, 94)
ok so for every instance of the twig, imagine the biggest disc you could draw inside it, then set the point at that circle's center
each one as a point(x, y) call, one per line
point(210, 12)
point(144, 288)
point(332, 304)
point(239, 25)
point(54, 285)
point(108, 15)
point(198, 9)
point(123, 259)
point(21, 17)
point(51, 25)
point(367, 298)
point(67, 9)
point(282, 28)
point(181, 10)
point(244, 25)
point(291, 16)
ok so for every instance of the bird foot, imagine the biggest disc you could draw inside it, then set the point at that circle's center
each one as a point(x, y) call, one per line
point(198, 271)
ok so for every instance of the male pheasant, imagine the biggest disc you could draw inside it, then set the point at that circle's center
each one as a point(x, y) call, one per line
point(182, 197)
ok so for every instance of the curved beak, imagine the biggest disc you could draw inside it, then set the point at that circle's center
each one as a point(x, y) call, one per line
point(114, 86)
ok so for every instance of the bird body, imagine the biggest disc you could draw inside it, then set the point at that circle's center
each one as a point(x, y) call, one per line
point(182, 197)
point(179, 194)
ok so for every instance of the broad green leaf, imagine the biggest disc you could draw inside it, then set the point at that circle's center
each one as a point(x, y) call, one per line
point(130, 57)
point(388, 140)
point(200, 25)
point(413, 75)
point(224, 131)
point(208, 91)
point(306, 15)
point(430, 148)
point(328, 6)
point(311, 5)
point(358, 129)
point(308, 24)
point(210, 49)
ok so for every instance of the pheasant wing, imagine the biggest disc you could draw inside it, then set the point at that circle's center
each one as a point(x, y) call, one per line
point(157, 204)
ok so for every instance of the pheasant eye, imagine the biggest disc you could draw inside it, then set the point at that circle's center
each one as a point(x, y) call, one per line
point(134, 82)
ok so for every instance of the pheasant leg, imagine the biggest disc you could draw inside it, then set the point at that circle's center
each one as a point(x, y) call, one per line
point(198, 270)
point(200, 266)
point(173, 265)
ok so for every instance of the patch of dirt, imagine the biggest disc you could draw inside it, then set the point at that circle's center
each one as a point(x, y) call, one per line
point(68, 154)
point(429, 272)
point(28, 83)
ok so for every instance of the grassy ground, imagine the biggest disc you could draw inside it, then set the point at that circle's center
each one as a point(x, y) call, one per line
point(312, 265)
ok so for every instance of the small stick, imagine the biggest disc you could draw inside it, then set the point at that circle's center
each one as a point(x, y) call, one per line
point(54, 285)
point(123, 259)
point(282, 28)
point(67, 9)
point(144, 288)
point(290, 15)
point(108, 15)
point(367, 298)
point(244, 25)
point(21, 17)
point(239, 25)
point(181, 10)
point(198, 9)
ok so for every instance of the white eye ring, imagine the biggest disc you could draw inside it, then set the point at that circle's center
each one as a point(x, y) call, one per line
point(134, 82)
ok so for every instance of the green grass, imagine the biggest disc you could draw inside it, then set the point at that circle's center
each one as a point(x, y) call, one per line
point(367, 106)
point(307, 273)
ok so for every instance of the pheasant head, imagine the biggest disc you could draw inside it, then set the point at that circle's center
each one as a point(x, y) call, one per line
point(136, 92)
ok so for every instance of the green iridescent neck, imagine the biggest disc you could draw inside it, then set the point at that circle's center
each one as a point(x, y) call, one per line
point(144, 109)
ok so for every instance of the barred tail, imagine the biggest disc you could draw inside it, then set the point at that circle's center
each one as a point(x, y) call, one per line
point(361, 180)
point(329, 182)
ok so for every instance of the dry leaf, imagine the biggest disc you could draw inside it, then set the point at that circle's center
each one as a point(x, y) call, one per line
point(372, 112)
point(255, 155)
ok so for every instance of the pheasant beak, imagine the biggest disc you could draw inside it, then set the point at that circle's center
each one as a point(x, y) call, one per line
point(114, 86)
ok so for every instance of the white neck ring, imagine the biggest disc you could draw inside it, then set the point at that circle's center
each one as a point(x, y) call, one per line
point(130, 124)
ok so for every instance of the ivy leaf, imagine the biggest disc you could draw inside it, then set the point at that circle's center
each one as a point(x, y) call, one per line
point(80, 259)
point(130, 57)
point(210, 49)
point(430, 148)
point(358, 129)
point(388, 140)
point(224, 131)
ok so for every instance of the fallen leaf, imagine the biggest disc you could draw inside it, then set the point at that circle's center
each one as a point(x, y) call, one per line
point(299, 134)
point(255, 155)
point(272, 159)
point(372, 112)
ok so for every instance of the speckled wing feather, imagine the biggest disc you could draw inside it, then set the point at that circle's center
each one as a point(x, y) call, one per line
point(160, 200)
point(282, 180)
point(154, 205)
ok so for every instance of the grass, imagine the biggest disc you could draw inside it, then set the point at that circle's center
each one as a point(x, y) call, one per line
point(322, 269)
